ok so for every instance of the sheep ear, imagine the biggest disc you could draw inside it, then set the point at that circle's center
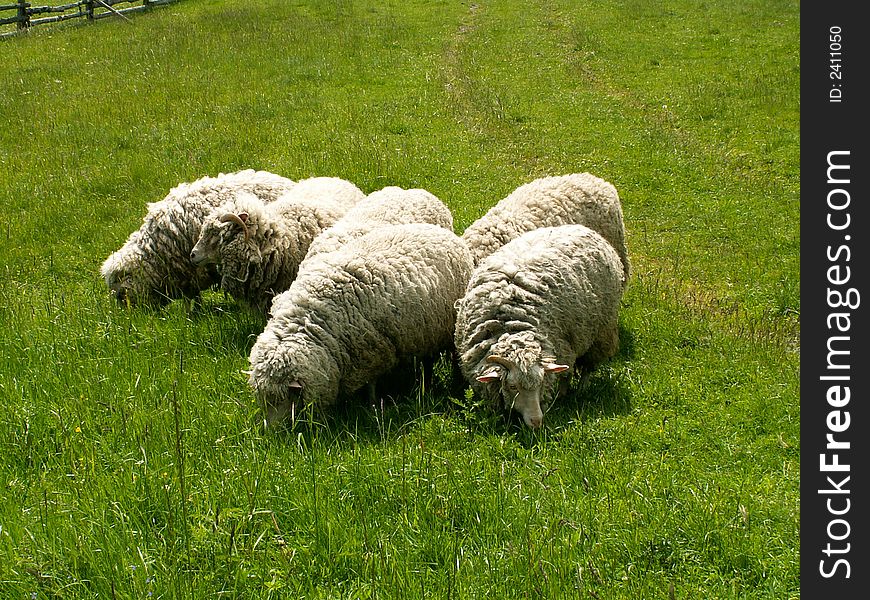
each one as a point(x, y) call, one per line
point(491, 375)
point(554, 368)
point(243, 217)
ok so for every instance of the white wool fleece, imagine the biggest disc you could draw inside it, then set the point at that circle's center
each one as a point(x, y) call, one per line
point(574, 199)
point(391, 205)
point(257, 246)
point(154, 265)
point(532, 309)
point(352, 314)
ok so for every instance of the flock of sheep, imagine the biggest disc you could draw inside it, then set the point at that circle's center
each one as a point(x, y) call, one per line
point(355, 285)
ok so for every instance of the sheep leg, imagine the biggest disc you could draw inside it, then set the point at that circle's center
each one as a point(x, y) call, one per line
point(585, 372)
point(564, 385)
point(605, 346)
point(458, 384)
point(428, 372)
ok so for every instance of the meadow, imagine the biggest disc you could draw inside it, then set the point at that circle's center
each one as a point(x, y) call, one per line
point(132, 463)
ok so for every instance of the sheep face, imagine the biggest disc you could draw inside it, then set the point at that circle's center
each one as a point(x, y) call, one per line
point(205, 251)
point(521, 385)
point(132, 279)
point(218, 232)
point(236, 257)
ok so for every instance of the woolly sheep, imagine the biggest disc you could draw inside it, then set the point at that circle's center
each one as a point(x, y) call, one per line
point(532, 309)
point(257, 247)
point(391, 205)
point(331, 192)
point(352, 314)
point(577, 198)
point(154, 265)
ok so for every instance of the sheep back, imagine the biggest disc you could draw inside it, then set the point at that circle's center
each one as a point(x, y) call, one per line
point(577, 198)
point(391, 205)
point(318, 189)
point(255, 267)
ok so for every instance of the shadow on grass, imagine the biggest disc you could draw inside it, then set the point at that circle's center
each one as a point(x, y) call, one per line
point(225, 323)
point(402, 406)
point(398, 408)
point(218, 325)
point(216, 328)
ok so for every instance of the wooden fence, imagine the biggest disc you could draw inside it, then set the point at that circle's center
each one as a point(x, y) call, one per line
point(24, 12)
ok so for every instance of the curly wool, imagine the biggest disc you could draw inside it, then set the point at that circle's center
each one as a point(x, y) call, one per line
point(577, 198)
point(333, 194)
point(320, 189)
point(154, 265)
point(352, 314)
point(257, 264)
point(549, 297)
point(391, 205)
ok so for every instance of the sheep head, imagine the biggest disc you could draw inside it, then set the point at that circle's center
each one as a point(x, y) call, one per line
point(520, 384)
point(240, 219)
point(291, 375)
point(207, 249)
point(135, 278)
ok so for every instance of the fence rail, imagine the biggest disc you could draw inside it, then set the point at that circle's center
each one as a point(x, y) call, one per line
point(91, 10)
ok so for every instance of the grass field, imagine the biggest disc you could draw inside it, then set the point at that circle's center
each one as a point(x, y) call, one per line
point(131, 465)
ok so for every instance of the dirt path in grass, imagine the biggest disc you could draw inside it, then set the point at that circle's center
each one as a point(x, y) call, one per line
point(457, 82)
point(476, 104)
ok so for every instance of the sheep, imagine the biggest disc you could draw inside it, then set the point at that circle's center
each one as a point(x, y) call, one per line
point(577, 198)
point(333, 193)
point(153, 266)
point(257, 247)
point(541, 304)
point(352, 314)
point(391, 205)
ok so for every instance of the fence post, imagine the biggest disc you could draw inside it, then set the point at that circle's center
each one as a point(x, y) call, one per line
point(23, 14)
point(89, 10)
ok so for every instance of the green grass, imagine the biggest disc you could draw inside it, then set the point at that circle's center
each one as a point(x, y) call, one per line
point(131, 463)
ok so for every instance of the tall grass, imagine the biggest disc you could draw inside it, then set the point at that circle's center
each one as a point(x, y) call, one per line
point(132, 463)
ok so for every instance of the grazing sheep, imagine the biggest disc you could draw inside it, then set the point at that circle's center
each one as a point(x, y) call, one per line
point(352, 314)
point(257, 247)
point(331, 192)
point(154, 265)
point(391, 205)
point(575, 199)
point(532, 309)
